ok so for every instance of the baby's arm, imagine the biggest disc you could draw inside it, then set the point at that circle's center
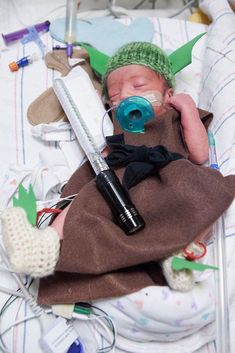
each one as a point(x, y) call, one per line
point(195, 134)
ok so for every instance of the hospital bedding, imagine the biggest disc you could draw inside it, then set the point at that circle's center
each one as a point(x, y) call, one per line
point(154, 319)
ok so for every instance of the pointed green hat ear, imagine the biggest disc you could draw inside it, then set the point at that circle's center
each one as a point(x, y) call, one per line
point(182, 56)
point(98, 60)
point(179, 59)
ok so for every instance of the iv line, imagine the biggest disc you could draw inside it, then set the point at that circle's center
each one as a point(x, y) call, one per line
point(222, 315)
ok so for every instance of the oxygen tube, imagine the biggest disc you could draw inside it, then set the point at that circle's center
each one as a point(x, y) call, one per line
point(222, 314)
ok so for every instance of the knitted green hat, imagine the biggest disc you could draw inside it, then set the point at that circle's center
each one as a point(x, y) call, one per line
point(140, 53)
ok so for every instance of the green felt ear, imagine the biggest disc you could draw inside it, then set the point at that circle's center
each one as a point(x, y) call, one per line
point(182, 56)
point(27, 201)
point(98, 60)
point(182, 264)
point(179, 59)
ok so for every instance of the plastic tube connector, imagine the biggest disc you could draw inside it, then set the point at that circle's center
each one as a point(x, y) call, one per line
point(26, 60)
point(11, 37)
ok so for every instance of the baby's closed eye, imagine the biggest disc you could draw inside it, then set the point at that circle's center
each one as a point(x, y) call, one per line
point(113, 96)
point(139, 85)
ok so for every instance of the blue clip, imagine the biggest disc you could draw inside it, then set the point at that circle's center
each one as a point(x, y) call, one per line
point(33, 36)
point(76, 347)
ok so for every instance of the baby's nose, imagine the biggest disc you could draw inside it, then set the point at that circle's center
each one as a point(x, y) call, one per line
point(125, 92)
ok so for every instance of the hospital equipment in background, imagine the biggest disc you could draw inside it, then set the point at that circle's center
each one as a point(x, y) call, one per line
point(26, 60)
point(13, 36)
point(70, 25)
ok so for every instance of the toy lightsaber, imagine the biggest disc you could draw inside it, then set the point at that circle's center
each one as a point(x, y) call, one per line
point(70, 25)
point(222, 315)
point(124, 212)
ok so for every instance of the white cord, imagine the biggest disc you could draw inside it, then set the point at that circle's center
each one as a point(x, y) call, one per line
point(56, 200)
point(182, 9)
point(17, 278)
point(11, 292)
point(113, 10)
point(37, 20)
point(4, 269)
point(110, 336)
point(26, 318)
point(99, 318)
point(38, 311)
point(104, 116)
point(12, 332)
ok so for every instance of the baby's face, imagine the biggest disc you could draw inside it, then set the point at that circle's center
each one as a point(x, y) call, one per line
point(136, 80)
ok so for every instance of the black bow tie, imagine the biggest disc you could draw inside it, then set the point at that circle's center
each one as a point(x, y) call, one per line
point(141, 161)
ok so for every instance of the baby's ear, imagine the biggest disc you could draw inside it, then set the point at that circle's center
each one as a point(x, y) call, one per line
point(168, 94)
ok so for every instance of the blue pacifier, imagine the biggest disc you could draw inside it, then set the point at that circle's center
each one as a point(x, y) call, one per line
point(133, 113)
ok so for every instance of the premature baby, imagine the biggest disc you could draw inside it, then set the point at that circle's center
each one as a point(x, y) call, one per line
point(173, 199)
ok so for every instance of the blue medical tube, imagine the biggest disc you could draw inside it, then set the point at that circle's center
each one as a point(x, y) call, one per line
point(222, 314)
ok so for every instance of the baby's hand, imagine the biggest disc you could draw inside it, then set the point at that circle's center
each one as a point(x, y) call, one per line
point(194, 132)
point(181, 102)
point(105, 151)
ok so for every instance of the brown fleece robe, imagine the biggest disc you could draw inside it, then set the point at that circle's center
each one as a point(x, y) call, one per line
point(97, 259)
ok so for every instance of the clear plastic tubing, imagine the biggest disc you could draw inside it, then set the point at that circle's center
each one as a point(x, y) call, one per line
point(70, 25)
point(11, 37)
point(222, 314)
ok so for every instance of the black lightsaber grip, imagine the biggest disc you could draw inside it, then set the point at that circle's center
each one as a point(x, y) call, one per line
point(124, 212)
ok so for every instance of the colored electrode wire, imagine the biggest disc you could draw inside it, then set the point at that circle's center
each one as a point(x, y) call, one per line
point(85, 310)
point(46, 210)
point(87, 305)
point(59, 204)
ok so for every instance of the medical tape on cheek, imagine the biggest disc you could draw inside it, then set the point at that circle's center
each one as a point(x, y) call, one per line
point(155, 98)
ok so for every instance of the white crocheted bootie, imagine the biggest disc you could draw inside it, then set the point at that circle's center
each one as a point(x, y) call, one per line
point(31, 251)
point(182, 280)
